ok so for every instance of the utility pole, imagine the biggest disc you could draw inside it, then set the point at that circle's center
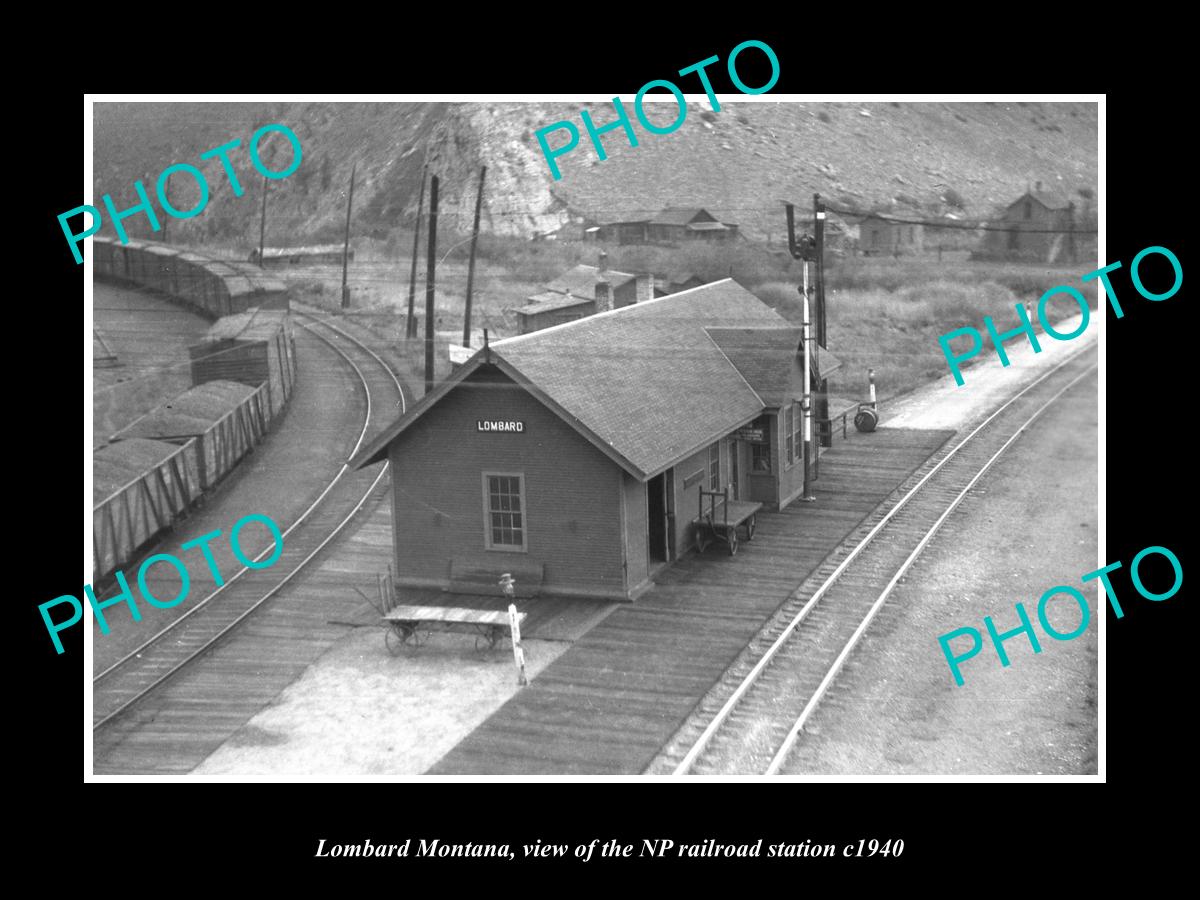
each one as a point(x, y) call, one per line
point(346, 245)
point(1070, 231)
point(804, 249)
point(410, 325)
point(262, 227)
point(430, 266)
point(821, 341)
point(471, 265)
point(166, 198)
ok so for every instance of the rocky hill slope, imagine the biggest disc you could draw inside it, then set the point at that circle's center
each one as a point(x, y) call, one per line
point(739, 162)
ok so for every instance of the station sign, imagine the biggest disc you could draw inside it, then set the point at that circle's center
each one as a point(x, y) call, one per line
point(753, 435)
point(482, 425)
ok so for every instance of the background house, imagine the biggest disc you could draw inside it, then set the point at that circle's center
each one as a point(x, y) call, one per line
point(880, 236)
point(580, 292)
point(673, 225)
point(1037, 225)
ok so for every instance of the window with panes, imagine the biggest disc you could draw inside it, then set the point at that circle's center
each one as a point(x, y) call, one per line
point(504, 511)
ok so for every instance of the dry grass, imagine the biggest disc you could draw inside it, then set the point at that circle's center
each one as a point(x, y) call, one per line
point(896, 332)
point(885, 314)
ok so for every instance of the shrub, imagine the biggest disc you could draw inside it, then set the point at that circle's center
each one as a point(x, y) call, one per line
point(954, 198)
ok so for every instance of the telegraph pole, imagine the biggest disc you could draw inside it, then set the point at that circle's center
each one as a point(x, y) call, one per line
point(410, 325)
point(804, 249)
point(346, 245)
point(471, 265)
point(262, 227)
point(167, 197)
point(822, 340)
point(430, 266)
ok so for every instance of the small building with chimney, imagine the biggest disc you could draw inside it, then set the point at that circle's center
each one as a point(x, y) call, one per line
point(1039, 225)
point(582, 291)
point(574, 456)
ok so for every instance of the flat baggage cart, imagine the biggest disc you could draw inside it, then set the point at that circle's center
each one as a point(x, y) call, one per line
point(403, 624)
point(722, 518)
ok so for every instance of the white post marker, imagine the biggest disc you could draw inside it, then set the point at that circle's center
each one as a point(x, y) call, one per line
point(518, 651)
point(871, 386)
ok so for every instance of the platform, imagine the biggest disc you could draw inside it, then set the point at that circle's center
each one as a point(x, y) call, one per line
point(610, 702)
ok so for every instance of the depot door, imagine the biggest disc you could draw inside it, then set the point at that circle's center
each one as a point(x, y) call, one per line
point(656, 517)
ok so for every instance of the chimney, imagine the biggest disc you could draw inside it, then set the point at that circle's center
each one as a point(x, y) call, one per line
point(645, 288)
point(603, 261)
point(604, 301)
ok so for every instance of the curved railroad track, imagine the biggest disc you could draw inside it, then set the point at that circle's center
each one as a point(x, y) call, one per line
point(754, 715)
point(141, 671)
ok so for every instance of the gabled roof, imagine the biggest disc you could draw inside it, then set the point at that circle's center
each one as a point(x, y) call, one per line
point(707, 226)
point(764, 357)
point(679, 215)
point(550, 301)
point(1049, 199)
point(645, 383)
point(581, 281)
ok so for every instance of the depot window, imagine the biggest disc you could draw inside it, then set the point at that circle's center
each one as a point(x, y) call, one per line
point(504, 510)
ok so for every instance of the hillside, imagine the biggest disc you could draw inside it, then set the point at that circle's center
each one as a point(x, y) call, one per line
point(738, 162)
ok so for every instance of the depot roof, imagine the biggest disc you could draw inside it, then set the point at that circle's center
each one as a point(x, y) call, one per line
point(647, 384)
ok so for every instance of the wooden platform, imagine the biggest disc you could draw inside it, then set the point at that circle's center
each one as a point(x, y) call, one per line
point(608, 704)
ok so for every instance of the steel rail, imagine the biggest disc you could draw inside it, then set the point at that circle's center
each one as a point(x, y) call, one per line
point(299, 566)
point(819, 693)
point(752, 676)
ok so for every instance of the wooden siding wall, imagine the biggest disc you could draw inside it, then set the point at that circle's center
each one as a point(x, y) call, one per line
point(212, 287)
point(637, 563)
point(150, 503)
point(687, 500)
point(572, 497)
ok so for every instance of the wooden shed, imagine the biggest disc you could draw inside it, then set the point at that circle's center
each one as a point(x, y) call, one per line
point(884, 236)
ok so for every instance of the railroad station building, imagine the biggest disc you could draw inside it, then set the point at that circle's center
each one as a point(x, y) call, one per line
point(573, 457)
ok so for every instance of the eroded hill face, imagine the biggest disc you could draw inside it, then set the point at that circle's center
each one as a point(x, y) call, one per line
point(966, 158)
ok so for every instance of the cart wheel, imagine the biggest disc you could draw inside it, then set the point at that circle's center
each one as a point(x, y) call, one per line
point(733, 542)
point(750, 528)
point(397, 636)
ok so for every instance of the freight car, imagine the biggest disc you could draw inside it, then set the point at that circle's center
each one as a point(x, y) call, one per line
point(159, 466)
point(255, 347)
point(211, 287)
point(139, 488)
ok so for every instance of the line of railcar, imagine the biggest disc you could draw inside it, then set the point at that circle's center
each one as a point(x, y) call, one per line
point(156, 469)
point(212, 287)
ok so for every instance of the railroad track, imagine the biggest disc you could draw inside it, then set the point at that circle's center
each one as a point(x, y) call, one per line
point(119, 687)
point(755, 714)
